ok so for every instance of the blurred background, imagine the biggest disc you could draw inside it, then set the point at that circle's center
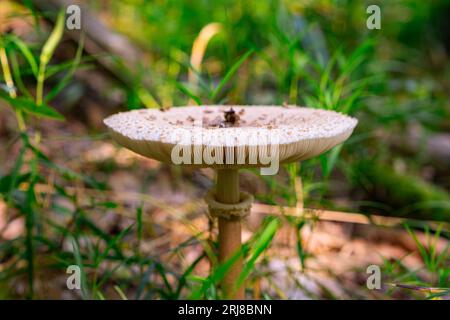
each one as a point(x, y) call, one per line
point(138, 229)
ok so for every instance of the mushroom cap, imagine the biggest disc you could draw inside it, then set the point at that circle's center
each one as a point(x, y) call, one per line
point(202, 137)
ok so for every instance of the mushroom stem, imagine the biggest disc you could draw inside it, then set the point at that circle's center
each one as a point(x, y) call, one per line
point(227, 191)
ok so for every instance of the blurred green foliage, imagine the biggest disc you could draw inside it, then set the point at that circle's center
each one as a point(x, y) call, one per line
point(314, 53)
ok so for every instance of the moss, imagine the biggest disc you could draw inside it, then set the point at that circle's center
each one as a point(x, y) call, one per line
point(408, 194)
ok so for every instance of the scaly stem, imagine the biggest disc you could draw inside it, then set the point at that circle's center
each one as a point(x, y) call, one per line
point(227, 191)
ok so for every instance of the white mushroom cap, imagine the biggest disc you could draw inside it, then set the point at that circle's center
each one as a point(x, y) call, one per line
point(293, 133)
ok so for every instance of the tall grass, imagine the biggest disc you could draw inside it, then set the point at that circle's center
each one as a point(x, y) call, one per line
point(266, 52)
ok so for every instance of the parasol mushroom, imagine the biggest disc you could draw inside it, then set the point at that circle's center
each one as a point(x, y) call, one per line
point(229, 138)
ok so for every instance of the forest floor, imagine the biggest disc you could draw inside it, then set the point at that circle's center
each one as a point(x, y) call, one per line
point(336, 254)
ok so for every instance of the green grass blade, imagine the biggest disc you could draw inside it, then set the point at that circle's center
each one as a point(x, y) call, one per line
point(26, 52)
point(120, 293)
point(230, 74)
point(29, 210)
point(329, 159)
point(79, 263)
point(29, 106)
point(144, 280)
point(189, 93)
point(50, 45)
point(183, 279)
point(14, 177)
point(420, 247)
point(17, 74)
point(46, 54)
point(260, 245)
point(68, 76)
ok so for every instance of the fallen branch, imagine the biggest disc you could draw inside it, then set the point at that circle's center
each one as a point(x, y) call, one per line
point(181, 212)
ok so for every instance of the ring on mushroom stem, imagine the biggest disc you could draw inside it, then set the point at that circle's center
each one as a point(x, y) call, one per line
point(227, 139)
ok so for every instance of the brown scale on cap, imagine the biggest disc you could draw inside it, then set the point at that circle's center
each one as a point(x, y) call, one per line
point(231, 118)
